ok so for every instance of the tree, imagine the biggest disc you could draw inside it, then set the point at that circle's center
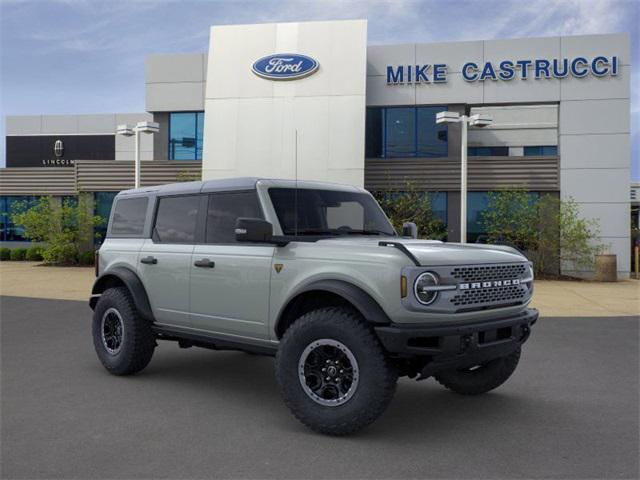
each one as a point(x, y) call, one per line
point(550, 230)
point(410, 205)
point(65, 228)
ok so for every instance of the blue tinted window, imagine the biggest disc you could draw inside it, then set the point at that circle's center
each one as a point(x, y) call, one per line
point(432, 137)
point(541, 151)
point(400, 132)
point(488, 151)
point(405, 132)
point(103, 201)
point(477, 203)
point(439, 205)
point(185, 135)
point(10, 232)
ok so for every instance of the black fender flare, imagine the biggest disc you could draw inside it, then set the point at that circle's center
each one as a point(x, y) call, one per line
point(133, 283)
point(361, 300)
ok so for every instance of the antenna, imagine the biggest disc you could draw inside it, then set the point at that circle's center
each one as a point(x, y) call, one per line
point(295, 194)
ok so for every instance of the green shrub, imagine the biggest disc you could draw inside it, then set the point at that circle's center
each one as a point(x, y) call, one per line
point(86, 258)
point(34, 254)
point(18, 254)
point(5, 253)
point(549, 229)
point(407, 204)
point(65, 227)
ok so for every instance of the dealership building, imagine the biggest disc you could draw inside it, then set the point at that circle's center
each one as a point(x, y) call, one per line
point(312, 100)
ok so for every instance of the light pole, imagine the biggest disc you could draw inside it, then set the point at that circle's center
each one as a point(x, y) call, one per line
point(128, 131)
point(477, 120)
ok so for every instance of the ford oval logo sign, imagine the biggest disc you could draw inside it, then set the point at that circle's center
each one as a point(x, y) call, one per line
point(285, 66)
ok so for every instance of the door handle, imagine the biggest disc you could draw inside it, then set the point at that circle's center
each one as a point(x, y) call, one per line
point(205, 263)
point(149, 260)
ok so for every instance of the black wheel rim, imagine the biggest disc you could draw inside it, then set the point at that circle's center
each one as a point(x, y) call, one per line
point(328, 372)
point(112, 331)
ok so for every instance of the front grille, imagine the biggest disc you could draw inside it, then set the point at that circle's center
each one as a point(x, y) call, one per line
point(493, 295)
point(482, 273)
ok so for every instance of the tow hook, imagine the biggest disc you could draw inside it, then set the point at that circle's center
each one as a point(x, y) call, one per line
point(465, 341)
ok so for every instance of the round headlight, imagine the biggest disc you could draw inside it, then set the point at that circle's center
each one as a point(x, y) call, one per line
point(422, 288)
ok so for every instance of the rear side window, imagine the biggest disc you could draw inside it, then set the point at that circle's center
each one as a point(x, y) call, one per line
point(128, 217)
point(224, 209)
point(176, 219)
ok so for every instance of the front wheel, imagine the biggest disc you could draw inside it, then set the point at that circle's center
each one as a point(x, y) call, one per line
point(333, 373)
point(480, 378)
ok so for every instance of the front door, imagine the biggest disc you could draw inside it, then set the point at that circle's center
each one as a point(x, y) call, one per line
point(165, 259)
point(230, 281)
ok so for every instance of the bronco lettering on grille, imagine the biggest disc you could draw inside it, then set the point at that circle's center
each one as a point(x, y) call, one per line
point(494, 283)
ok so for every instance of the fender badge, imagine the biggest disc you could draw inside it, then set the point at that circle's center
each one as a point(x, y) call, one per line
point(278, 267)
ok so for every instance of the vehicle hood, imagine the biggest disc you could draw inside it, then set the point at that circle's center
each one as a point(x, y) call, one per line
point(434, 252)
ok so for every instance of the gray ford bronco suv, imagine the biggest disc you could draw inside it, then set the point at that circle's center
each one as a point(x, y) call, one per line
point(314, 274)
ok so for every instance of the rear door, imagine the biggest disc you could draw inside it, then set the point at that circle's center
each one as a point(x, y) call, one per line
point(230, 280)
point(165, 259)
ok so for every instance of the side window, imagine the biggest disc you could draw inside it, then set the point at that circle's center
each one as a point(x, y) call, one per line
point(224, 209)
point(128, 217)
point(176, 219)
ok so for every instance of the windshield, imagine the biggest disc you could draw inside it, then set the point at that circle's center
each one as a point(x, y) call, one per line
point(328, 212)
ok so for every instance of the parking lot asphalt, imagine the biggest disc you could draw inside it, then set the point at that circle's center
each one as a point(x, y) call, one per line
point(569, 411)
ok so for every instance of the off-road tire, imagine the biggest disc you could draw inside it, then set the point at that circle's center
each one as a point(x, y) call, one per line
point(138, 341)
point(377, 376)
point(481, 380)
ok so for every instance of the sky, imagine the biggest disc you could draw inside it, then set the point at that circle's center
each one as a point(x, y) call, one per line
point(87, 56)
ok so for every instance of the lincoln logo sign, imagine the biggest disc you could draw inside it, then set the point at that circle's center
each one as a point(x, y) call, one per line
point(505, 70)
point(58, 148)
point(285, 66)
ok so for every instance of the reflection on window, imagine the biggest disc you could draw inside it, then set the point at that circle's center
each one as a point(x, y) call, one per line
point(477, 204)
point(488, 151)
point(176, 219)
point(405, 132)
point(224, 210)
point(185, 135)
point(541, 151)
point(103, 201)
point(10, 232)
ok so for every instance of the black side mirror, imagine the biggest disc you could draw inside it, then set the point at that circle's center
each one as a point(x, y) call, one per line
point(409, 229)
point(253, 230)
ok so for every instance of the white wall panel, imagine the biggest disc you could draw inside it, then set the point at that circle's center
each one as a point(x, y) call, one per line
point(381, 94)
point(594, 117)
point(595, 151)
point(596, 185)
point(250, 122)
point(175, 97)
point(379, 56)
point(593, 88)
point(455, 90)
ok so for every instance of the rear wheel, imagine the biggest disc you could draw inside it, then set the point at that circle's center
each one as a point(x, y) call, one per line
point(333, 373)
point(480, 378)
point(122, 339)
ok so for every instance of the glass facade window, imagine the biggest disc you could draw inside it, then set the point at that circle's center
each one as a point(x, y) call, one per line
point(541, 151)
point(477, 204)
point(103, 201)
point(488, 151)
point(10, 232)
point(397, 132)
point(185, 135)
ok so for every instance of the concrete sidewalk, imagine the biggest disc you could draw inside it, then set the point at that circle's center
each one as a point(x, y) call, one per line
point(553, 298)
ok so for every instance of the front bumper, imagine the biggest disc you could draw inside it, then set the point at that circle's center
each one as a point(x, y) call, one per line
point(446, 347)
